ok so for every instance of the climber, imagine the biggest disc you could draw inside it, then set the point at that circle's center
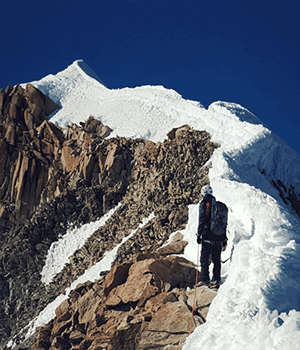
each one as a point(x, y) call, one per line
point(211, 234)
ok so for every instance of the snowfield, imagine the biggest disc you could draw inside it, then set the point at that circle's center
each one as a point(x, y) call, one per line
point(258, 304)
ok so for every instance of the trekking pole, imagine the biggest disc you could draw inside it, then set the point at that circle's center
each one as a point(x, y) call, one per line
point(196, 282)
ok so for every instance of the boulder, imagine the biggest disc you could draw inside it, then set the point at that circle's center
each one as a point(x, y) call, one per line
point(116, 276)
point(169, 326)
point(87, 306)
point(156, 302)
point(176, 271)
point(204, 297)
point(62, 308)
point(173, 248)
point(140, 282)
point(94, 126)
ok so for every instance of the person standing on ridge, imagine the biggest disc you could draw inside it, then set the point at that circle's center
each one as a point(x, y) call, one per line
point(211, 234)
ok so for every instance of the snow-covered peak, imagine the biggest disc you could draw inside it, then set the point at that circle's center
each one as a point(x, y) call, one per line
point(75, 78)
point(83, 67)
point(81, 93)
point(77, 71)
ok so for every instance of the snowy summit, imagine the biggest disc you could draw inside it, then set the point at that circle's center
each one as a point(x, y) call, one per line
point(258, 303)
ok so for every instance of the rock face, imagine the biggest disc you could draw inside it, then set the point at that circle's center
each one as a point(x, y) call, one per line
point(51, 179)
point(38, 162)
point(141, 304)
point(27, 142)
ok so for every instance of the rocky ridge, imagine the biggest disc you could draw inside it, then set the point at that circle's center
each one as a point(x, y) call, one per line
point(141, 304)
point(54, 179)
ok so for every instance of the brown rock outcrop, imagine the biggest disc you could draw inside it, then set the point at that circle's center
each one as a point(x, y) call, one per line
point(169, 326)
point(27, 140)
point(176, 246)
point(155, 314)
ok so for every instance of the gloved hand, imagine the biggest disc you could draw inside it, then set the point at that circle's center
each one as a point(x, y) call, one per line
point(199, 239)
point(224, 244)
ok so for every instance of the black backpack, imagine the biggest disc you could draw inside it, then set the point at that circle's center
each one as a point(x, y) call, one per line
point(219, 217)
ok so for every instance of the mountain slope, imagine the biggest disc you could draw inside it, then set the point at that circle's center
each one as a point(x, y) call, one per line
point(253, 172)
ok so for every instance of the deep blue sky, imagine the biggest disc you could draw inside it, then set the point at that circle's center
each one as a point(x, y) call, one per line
point(243, 51)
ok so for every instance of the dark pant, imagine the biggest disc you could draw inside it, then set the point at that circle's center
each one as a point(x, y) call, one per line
point(213, 248)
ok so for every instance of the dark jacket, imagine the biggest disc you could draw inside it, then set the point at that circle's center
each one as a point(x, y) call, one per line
point(205, 221)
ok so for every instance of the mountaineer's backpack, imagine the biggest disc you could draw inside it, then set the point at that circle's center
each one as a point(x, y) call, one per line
point(219, 217)
point(213, 217)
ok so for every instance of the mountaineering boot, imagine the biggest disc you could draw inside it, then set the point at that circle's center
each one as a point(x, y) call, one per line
point(204, 275)
point(203, 282)
point(214, 284)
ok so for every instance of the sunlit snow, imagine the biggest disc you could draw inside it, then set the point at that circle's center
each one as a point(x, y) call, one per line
point(258, 304)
